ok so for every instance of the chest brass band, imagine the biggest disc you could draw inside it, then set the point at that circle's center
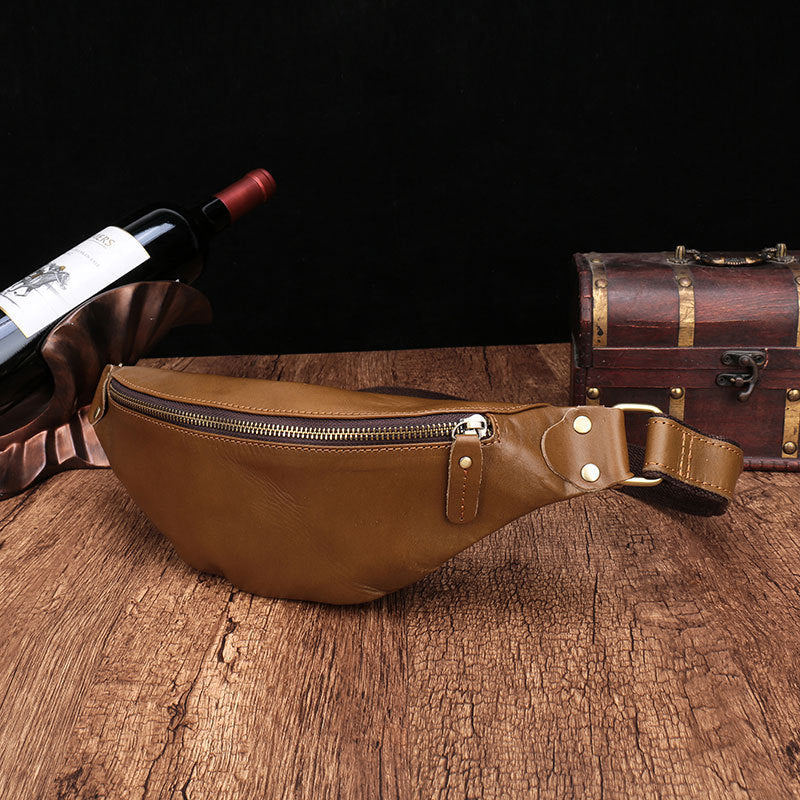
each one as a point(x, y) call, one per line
point(599, 302)
point(790, 446)
point(685, 281)
point(795, 270)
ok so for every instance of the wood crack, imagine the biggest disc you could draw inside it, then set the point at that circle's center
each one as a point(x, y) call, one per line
point(178, 710)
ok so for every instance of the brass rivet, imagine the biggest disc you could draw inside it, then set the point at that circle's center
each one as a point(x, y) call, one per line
point(684, 281)
point(676, 392)
point(590, 472)
point(465, 462)
point(582, 424)
point(790, 448)
point(601, 283)
point(793, 395)
point(97, 412)
point(597, 261)
point(593, 393)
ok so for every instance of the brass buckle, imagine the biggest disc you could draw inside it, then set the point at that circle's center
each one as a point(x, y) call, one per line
point(637, 480)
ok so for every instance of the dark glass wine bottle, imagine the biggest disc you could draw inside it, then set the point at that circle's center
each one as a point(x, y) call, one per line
point(160, 241)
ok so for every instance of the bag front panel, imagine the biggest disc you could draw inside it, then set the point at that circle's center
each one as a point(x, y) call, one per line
point(334, 522)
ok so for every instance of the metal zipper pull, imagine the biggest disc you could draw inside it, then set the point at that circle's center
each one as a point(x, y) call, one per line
point(465, 469)
point(474, 424)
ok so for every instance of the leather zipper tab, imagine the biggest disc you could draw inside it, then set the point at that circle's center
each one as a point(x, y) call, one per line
point(464, 474)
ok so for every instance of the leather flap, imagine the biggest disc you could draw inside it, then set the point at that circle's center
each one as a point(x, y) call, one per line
point(587, 447)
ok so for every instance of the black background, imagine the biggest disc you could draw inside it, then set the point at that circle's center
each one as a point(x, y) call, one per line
point(437, 163)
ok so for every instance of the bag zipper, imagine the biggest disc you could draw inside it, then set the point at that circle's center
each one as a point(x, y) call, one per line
point(429, 428)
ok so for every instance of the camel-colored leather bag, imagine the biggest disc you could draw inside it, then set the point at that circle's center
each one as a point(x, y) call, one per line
point(315, 493)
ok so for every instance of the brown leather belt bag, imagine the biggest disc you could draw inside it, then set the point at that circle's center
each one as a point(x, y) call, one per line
point(314, 493)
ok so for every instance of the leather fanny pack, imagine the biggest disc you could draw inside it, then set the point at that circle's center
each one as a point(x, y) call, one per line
point(309, 492)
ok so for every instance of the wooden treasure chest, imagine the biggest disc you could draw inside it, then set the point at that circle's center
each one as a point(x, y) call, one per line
point(709, 338)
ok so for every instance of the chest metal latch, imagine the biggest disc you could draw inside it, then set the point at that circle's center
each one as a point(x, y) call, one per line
point(748, 362)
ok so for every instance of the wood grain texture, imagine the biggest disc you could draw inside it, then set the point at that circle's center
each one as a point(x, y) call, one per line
point(598, 648)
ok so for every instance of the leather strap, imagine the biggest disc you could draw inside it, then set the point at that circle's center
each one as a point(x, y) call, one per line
point(678, 451)
point(698, 471)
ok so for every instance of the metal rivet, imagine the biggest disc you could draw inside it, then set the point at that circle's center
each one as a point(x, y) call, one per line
point(593, 393)
point(790, 448)
point(590, 472)
point(684, 281)
point(676, 392)
point(793, 395)
point(582, 424)
point(597, 261)
point(465, 462)
point(601, 283)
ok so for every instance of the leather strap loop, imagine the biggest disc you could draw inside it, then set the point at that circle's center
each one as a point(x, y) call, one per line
point(678, 451)
point(698, 471)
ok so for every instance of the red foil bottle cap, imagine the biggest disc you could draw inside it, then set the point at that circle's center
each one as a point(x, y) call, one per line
point(255, 188)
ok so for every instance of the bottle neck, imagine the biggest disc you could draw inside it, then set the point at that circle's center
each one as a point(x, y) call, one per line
point(249, 192)
point(214, 215)
point(232, 202)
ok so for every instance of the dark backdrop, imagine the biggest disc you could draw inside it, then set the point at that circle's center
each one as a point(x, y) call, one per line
point(437, 163)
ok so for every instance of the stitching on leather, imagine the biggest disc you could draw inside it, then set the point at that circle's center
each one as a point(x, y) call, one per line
point(294, 447)
point(479, 486)
point(488, 408)
point(463, 496)
point(688, 478)
point(684, 468)
point(449, 478)
point(697, 436)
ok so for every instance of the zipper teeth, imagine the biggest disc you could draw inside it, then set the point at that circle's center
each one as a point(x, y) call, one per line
point(342, 433)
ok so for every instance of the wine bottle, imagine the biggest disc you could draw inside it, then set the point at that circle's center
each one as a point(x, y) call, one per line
point(160, 241)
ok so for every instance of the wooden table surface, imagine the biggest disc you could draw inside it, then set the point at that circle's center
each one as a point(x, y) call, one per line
point(595, 649)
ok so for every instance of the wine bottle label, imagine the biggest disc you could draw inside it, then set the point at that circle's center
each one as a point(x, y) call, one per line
point(54, 290)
